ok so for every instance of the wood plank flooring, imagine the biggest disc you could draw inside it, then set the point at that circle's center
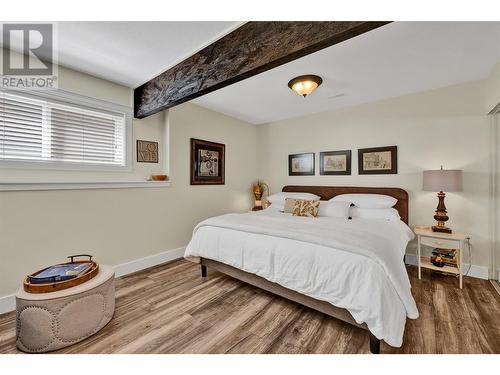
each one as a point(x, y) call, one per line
point(496, 285)
point(171, 309)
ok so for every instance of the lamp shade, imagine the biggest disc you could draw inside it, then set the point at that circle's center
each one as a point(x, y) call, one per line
point(443, 180)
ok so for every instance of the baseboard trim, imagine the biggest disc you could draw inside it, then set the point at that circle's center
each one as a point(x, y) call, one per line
point(8, 302)
point(479, 272)
point(149, 261)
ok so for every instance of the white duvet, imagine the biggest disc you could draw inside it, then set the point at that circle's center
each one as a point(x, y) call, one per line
point(353, 264)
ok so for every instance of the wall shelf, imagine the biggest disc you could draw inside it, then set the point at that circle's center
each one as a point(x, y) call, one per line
point(425, 262)
point(34, 186)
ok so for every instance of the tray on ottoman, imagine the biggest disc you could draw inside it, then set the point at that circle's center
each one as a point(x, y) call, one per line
point(50, 321)
point(54, 286)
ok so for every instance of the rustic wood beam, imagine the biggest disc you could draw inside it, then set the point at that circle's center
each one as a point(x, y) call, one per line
point(253, 48)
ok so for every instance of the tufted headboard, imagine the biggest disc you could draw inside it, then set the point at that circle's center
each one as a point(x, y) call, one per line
point(328, 192)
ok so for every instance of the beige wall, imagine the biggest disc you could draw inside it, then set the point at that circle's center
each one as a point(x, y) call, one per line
point(120, 225)
point(492, 89)
point(445, 126)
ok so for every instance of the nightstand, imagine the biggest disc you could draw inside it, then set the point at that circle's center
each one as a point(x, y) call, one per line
point(451, 241)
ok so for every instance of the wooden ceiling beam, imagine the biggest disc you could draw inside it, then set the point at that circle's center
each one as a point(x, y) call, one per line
point(253, 48)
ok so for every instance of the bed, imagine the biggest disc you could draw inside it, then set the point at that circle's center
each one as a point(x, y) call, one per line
point(352, 270)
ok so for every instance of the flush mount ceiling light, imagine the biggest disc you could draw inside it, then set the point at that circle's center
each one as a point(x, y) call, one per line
point(306, 84)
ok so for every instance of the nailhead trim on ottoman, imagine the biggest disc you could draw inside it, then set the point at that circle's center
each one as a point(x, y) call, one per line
point(51, 321)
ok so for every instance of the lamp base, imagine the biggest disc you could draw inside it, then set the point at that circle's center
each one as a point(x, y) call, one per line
point(436, 228)
point(441, 216)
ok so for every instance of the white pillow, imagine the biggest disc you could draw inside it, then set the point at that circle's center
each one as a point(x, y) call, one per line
point(366, 200)
point(389, 214)
point(278, 199)
point(334, 209)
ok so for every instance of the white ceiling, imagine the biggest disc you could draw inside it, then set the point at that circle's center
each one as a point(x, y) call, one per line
point(131, 53)
point(396, 59)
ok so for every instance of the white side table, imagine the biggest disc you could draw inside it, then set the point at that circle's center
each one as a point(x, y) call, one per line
point(452, 241)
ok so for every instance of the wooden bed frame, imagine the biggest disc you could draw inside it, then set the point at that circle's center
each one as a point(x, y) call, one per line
point(325, 192)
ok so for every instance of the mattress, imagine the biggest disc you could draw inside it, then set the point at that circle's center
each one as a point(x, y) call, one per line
point(347, 279)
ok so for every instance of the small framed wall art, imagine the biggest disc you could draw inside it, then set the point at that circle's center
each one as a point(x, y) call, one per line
point(378, 160)
point(147, 151)
point(207, 162)
point(301, 164)
point(335, 162)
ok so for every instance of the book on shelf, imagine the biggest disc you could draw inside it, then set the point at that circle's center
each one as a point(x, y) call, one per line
point(448, 252)
point(447, 257)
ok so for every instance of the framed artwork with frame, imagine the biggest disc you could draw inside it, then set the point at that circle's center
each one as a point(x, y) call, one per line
point(147, 151)
point(301, 164)
point(335, 162)
point(378, 160)
point(207, 162)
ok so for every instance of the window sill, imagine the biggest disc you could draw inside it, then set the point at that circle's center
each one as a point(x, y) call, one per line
point(33, 186)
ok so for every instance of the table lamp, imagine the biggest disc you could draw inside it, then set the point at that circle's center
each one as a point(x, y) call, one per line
point(442, 180)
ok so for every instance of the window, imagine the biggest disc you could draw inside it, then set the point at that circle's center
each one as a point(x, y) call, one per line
point(43, 131)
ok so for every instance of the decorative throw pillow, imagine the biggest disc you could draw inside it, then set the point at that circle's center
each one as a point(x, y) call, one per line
point(278, 199)
point(307, 208)
point(290, 205)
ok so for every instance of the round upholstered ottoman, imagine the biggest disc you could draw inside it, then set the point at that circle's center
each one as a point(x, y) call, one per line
point(50, 321)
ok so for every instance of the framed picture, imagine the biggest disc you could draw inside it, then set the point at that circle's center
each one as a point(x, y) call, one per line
point(147, 151)
point(207, 162)
point(301, 164)
point(335, 162)
point(378, 160)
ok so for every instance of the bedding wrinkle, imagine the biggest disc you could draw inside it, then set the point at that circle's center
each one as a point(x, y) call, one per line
point(352, 264)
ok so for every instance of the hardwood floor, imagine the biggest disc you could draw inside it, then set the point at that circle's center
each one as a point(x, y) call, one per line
point(171, 309)
point(496, 285)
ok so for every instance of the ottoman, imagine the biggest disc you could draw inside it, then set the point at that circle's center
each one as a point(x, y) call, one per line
point(50, 321)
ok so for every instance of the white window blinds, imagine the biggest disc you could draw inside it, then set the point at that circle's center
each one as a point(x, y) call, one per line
point(45, 130)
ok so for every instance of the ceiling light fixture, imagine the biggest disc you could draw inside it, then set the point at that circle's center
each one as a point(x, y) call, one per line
point(306, 84)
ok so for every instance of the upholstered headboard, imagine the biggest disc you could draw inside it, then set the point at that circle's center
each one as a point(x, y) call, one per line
point(328, 192)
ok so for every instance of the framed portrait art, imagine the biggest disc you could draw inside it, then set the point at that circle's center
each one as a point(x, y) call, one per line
point(335, 162)
point(301, 164)
point(207, 162)
point(378, 160)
